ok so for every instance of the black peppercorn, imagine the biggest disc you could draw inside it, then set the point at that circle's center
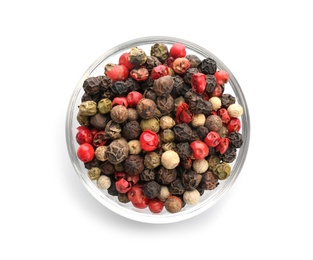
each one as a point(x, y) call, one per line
point(133, 164)
point(150, 94)
point(151, 189)
point(210, 83)
point(165, 104)
point(131, 130)
point(112, 130)
point(183, 133)
point(188, 75)
point(119, 88)
point(117, 151)
point(177, 87)
point(202, 132)
point(166, 176)
point(230, 154)
point(197, 104)
point(93, 163)
point(152, 62)
point(227, 100)
point(191, 180)
point(147, 175)
point(176, 187)
point(235, 139)
point(146, 108)
point(183, 149)
point(105, 83)
point(107, 168)
point(91, 85)
point(194, 60)
point(99, 121)
point(163, 86)
point(148, 83)
point(112, 189)
point(207, 66)
point(131, 84)
point(208, 181)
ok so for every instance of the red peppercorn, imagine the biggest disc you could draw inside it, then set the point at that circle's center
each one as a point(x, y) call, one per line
point(98, 139)
point(178, 50)
point(133, 179)
point(198, 82)
point(120, 101)
point(183, 114)
point(117, 72)
point(135, 194)
point(133, 98)
point(217, 91)
point(155, 205)
point(148, 140)
point(199, 150)
point(120, 175)
point(221, 77)
point(123, 186)
point(159, 71)
point(223, 145)
point(140, 74)
point(169, 62)
point(123, 60)
point(142, 204)
point(234, 125)
point(222, 112)
point(83, 135)
point(212, 139)
point(85, 152)
point(181, 65)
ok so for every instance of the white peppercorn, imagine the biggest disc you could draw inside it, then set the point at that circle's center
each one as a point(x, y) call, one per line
point(200, 166)
point(216, 103)
point(104, 182)
point(198, 120)
point(170, 159)
point(134, 147)
point(100, 153)
point(191, 197)
point(235, 110)
point(166, 122)
point(164, 193)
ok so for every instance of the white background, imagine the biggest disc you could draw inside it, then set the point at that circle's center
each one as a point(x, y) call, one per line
point(46, 212)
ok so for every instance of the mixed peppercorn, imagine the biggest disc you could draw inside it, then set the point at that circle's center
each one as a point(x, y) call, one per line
point(157, 131)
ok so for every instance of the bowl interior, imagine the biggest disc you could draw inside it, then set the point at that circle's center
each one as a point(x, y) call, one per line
point(111, 202)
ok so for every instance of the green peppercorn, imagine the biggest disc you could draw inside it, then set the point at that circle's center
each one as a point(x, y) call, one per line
point(152, 160)
point(223, 132)
point(167, 136)
point(213, 160)
point(137, 56)
point(151, 124)
point(88, 108)
point(82, 120)
point(222, 170)
point(105, 105)
point(160, 51)
point(94, 173)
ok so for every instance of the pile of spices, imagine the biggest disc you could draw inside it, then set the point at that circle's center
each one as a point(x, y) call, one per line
point(157, 130)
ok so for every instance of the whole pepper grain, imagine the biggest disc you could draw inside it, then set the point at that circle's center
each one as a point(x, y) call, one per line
point(94, 173)
point(107, 168)
point(213, 123)
point(170, 159)
point(198, 120)
point(119, 88)
point(173, 204)
point(82, 120)
point(103, 182)
point(151, 124)
point(200, 166)
point(167, 136)
point(91, 85)
point(235, 139)
point(207, 66)
point(194, 60)
point(137, 56)
point(191, 180)
point(134, 147)
point(112, 130)
point(176, 187)
point(152, 62)
point(134, 165)
point(151, 189)
point(88, 108)
point(119, 114)
point(104, 105)
point(166, 122)
point(99, 121)
point(152, 160)
point(213, 160)
point(163, 86)
point(105, 83)
point(112, 189)
point(202, 132)
point(183, 133)
point(188, 75)
point(216, 103)
point(223, 132)
point(227, 100)
point(147, 175)
point(222, 170)
point(178, 86)
point(100, 153)
point(131, 84)
point(93, 163)
point(166, 176)
point(131, 130)
point(122, 197)
point(164, 193)
point(132, 114)
point(150, 94)
point(146, 108)
point(191, 197)
point(209, 181)
point(183, 149)
point(160, 51)
point(210, 83)
point(165, 104)
point(117, 151)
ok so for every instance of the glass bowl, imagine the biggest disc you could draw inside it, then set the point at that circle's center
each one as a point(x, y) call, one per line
point(126, 209)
